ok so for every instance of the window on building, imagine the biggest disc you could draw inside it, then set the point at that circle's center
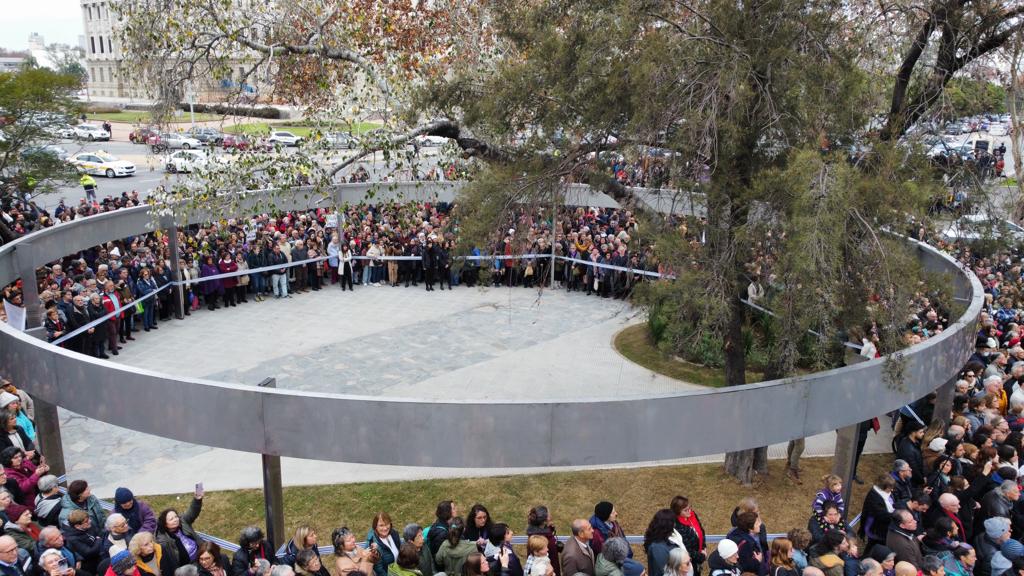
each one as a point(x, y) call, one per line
point(101, 44)
point(92, 44)
point(102, 79)
point(110, 45)
point(92, 73)
point(88, 12)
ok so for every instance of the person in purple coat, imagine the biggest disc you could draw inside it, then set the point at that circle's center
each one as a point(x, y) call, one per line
point(212, 289)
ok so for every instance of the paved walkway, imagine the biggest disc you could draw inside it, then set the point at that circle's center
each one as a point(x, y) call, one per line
point(479, 343)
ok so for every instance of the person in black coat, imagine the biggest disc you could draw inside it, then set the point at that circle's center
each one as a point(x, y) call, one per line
point(78, 318)
point(79, 538)
point(876, 513)
point(443, 264)
point(429, 265)
point(251, 546)
point(437, 532)
point(908, 449)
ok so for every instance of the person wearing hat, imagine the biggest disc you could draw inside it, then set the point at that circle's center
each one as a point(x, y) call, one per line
point(988, 544)
point(605, 526)
point(931, 452)
point(908, 449)
point(139, 514)
point(723, 561)
point(885, 557)
point(12, 403)
point(122, 564)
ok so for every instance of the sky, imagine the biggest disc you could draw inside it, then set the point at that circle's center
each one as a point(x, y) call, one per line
point(57, 20)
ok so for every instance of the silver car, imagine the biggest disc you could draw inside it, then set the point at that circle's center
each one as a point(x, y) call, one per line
point(172, 141)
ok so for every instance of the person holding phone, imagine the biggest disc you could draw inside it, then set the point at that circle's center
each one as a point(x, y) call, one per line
point(174, 531)
point(385, 540)
point(53, 563)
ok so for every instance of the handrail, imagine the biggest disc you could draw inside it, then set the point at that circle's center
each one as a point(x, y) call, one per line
point(461, 433)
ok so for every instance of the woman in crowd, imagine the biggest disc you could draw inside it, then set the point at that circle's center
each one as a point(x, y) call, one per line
point(500, 542)
point(408, 562)
point(174, 532)
point(228, 285)
point(348, 556)
point(678, 563)
point(21, 527)
point(14, 435)
point(538, 523)
point(964, 559)
point(308, 563)
point(478, 526)
point(828, 521)
point(251, 546)
point(116, 536)
point(211, 561)
point(745, 535)
point(828, 554)
point(605, 523)
point(150, 558)
point(688, 525)
point(385, 540)
point(346, 268)
point(941, 537)
point(147, 285)
point(453, 552)
point(612, 557)
point(782, 559)
point(24, 474)
point(885, 557)
point(243, 281)
point(304, 539)
point(658, 540)
point(211, 289)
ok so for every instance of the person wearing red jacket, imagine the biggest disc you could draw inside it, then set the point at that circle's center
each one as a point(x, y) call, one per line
point(111, 302)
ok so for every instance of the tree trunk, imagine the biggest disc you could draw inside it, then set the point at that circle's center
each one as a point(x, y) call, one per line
point(1017, 210)
point(737, 464)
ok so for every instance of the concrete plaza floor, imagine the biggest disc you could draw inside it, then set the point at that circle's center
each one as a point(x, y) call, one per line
point(471, 343)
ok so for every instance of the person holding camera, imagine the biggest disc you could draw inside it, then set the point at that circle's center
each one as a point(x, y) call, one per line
point(348, 557)
point(53, 563)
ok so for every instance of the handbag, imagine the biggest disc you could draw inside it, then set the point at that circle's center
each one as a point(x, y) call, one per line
point(529, 270)
point(138, 308)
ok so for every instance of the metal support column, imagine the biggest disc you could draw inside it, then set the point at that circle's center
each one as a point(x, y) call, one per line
point(944, 402)
point(845, 461)
point(29, 286)
point(273, 494)
point(554, 236)
point(48, 433)
point(178, 293)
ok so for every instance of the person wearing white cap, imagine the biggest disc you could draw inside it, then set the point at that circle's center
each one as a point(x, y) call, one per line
point(12, 403)
point(723, 561)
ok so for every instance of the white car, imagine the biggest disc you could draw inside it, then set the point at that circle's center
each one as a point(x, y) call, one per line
point(284, 138)
point(174, 141)
point(998, 130)
point(186, 161)
point(90, 132)
point(67, 132)
point(102, 164)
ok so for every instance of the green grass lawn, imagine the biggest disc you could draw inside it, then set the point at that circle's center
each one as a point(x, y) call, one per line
point(636, 492)
point(301, 129)
point(635, 344)
point(144, 117)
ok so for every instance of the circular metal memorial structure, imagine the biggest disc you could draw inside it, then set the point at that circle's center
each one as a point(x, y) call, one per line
point(412, 432)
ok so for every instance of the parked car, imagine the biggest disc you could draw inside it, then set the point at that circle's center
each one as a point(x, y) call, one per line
point(208, 136)
point(90, 132)
point(66, 131)
point(284, 138)
point(141, 135)
point(186, 161)
point(998, 129)
point(51, 150)
point(954, 129)
point(423, 141)
point(172, 141)
point(102, 164)
point(235, 142)
point(341, 140)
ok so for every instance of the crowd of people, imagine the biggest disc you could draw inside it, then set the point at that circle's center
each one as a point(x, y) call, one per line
point(390, 244)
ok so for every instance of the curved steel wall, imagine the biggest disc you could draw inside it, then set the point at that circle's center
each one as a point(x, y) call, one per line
point(415, 432)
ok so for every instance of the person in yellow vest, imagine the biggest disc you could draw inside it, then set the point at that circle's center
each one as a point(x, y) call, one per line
point(89, 183)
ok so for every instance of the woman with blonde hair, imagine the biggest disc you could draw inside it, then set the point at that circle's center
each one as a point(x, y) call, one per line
point(304, 539)
point(150, 558)
point(782, 563)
